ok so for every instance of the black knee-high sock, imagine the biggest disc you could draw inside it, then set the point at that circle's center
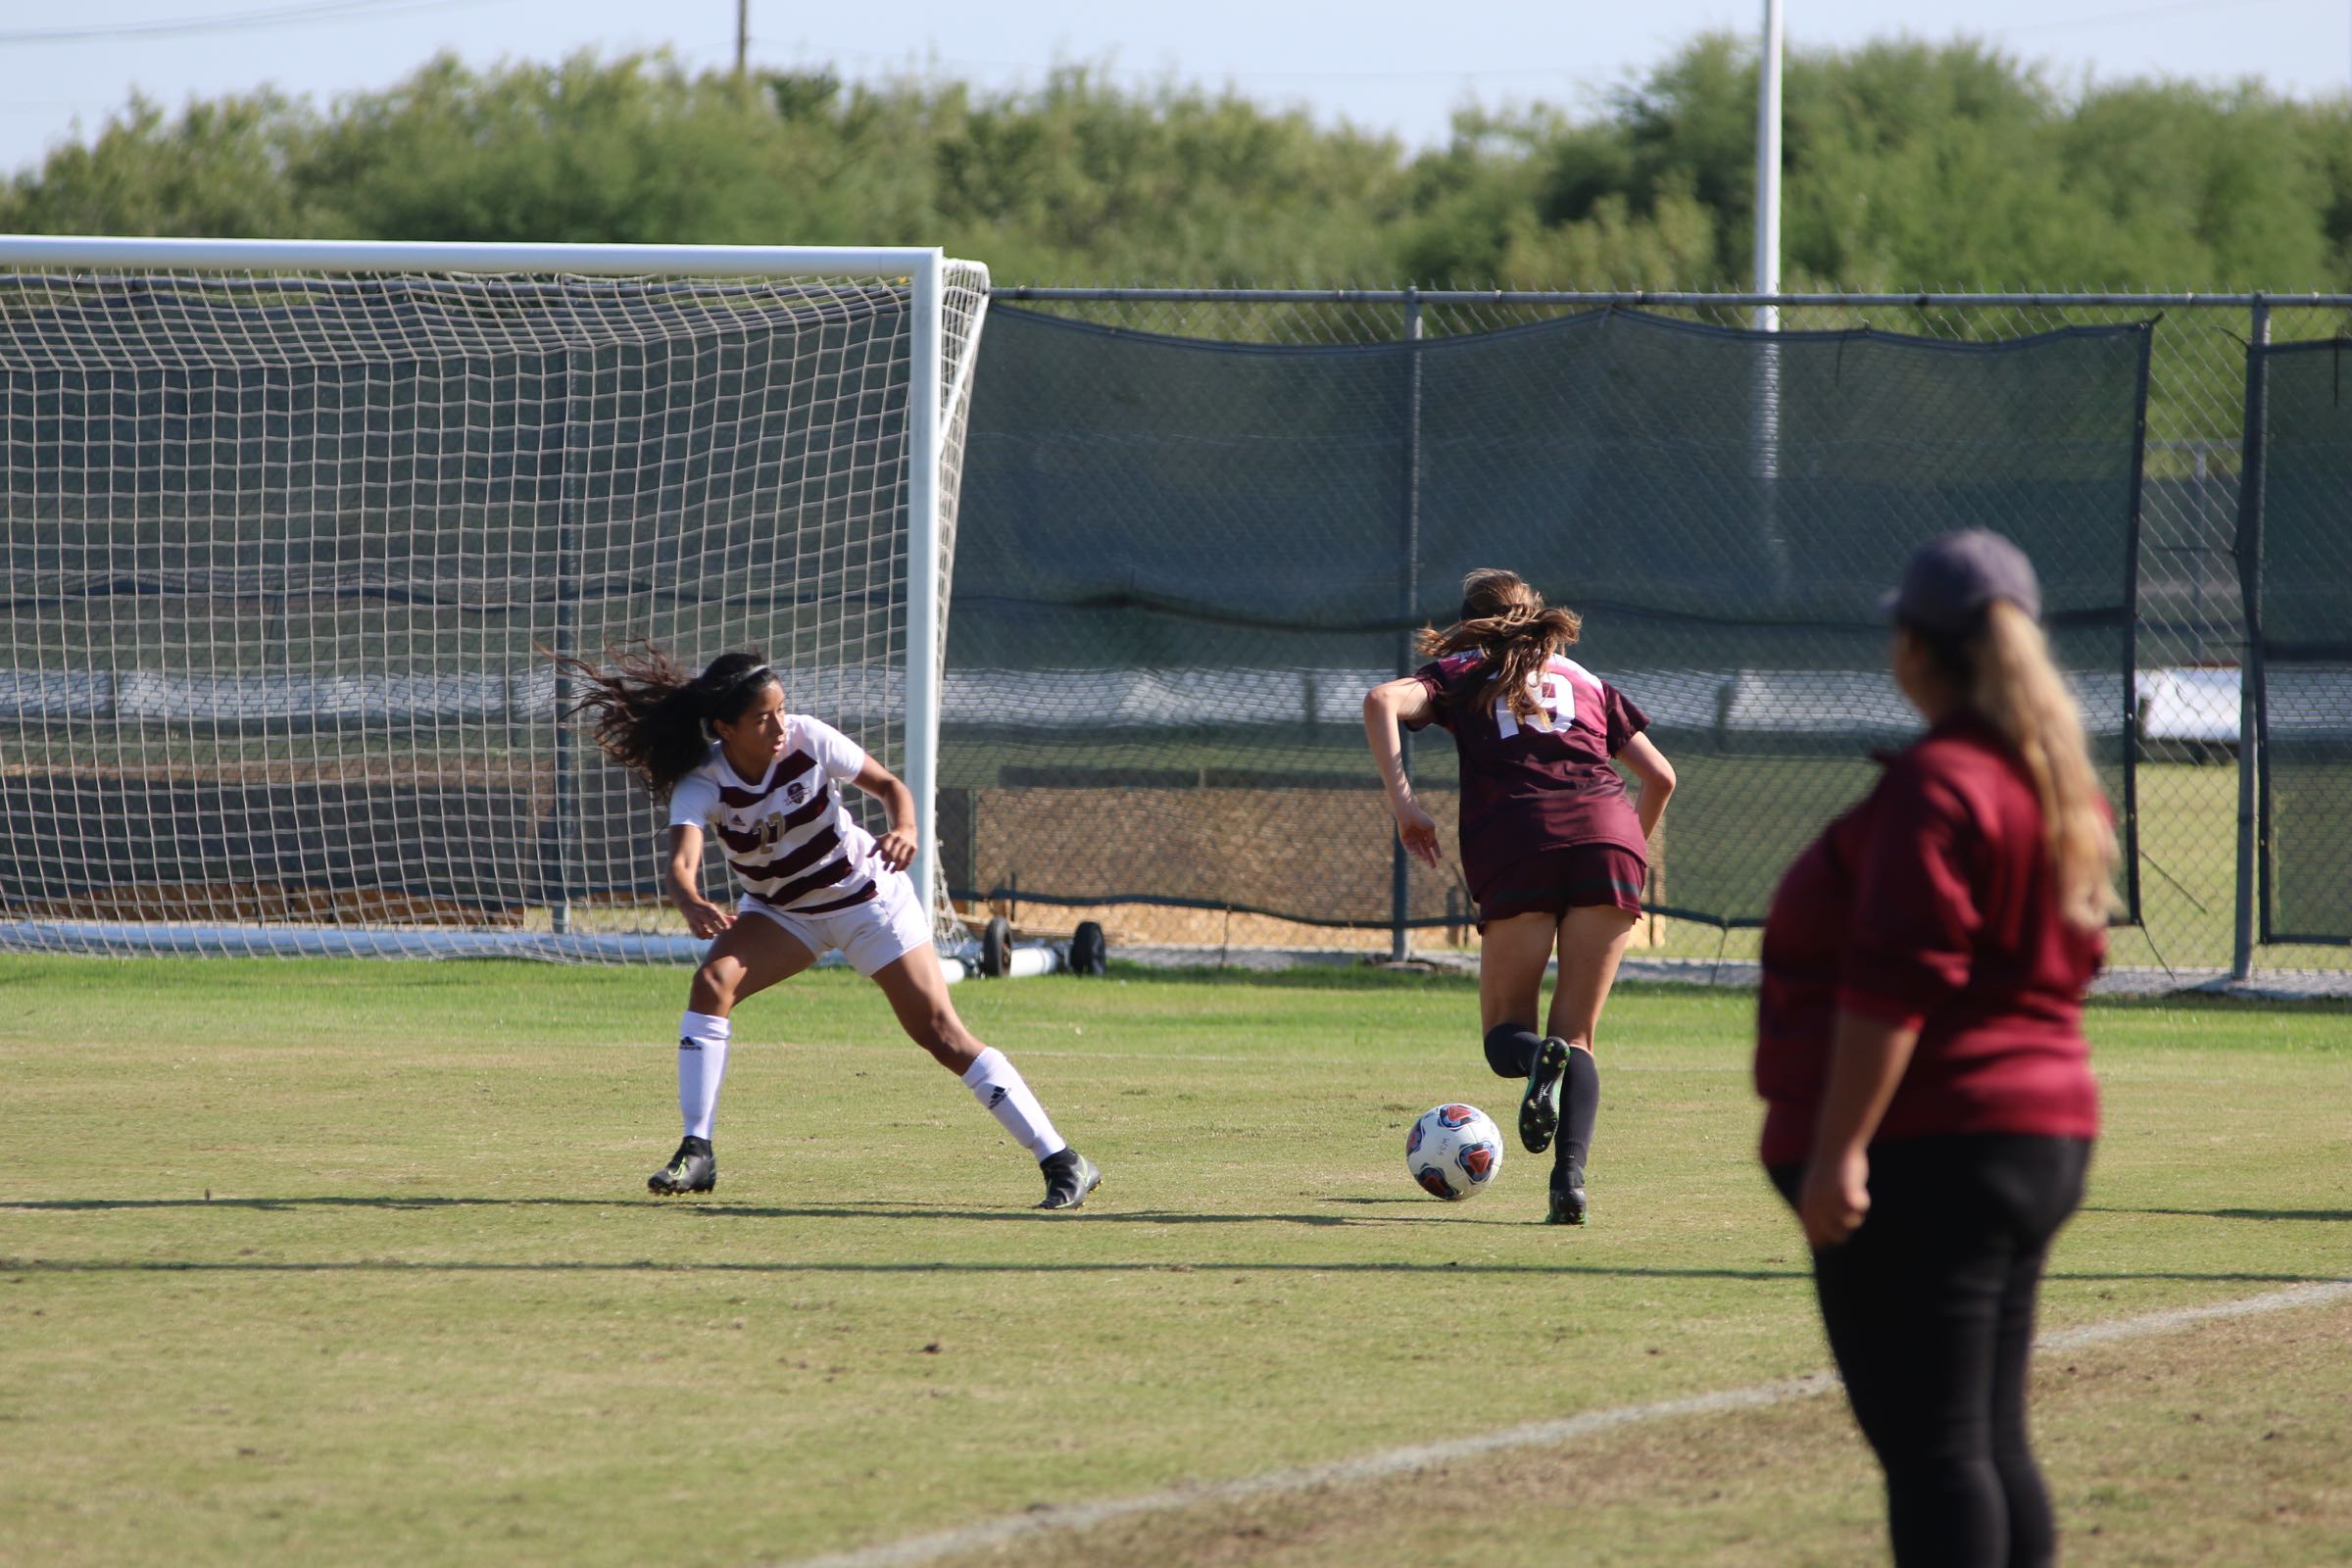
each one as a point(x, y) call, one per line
point(1580, 1104)
point(1511, 1050)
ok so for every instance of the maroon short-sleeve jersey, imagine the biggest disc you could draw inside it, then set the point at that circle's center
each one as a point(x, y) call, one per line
point(1529, 785)
point(1931, 906)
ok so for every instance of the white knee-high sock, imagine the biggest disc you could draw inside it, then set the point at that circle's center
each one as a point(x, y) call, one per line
point(998, 1085)
point(701, 1067)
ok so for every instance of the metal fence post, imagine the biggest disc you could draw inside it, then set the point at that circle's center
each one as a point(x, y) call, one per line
point(2249, 663)
point(1408, 607)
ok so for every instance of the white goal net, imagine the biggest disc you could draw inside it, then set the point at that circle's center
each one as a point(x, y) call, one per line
point(292, 527)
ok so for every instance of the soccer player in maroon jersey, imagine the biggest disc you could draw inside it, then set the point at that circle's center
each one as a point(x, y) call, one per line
point(720, 748)
point(1930, 1108)
point(1556, 852)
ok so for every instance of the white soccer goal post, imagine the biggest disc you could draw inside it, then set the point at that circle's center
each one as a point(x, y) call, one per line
point(290, 522)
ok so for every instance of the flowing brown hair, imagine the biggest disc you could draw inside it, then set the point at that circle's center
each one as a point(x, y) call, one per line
point(2004, 672)
point(650, 715)
point(1503, 617)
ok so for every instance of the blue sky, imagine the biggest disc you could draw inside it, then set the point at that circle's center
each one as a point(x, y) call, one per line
point(1380, 62)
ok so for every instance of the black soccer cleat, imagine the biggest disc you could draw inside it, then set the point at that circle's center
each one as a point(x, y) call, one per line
point(1568, 1205)
point(1540, 1106)
point(694, 1169)
point(1070, 1177)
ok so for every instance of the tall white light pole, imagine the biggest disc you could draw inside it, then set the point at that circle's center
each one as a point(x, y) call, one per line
point(1768, 316)
point(1768, 168)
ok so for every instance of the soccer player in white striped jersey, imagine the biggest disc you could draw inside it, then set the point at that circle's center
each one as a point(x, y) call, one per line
point(730, 760)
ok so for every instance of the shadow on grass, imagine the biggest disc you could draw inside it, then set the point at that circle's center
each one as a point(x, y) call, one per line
point(24, 1266)
point(2336, 1214)
point(1410, 1211)
point(706, 1208)
point(647, 1265)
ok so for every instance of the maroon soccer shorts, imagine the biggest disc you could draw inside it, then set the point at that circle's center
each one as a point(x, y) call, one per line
point(1556, 881)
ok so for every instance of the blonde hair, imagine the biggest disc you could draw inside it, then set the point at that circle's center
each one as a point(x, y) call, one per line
point(1503, 617)
point(2011, 681)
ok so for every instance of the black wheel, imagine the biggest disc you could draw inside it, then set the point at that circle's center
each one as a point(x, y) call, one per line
point(996, 949)
point(1090, 953)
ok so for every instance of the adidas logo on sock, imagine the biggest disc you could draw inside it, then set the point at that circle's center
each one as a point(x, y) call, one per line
point(995, 1096)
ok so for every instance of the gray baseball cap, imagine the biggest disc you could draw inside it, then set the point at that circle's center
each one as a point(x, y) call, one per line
point(1949, 580)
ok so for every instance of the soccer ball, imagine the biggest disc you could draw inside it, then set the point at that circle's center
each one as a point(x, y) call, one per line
point(1455, 1152)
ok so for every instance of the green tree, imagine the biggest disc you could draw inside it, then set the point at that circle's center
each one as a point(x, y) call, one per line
point(1908, 165)
point(223, 167)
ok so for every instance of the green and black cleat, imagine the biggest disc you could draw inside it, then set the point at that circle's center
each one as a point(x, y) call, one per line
point(1070, 1177)
point(1568, 1205)
point(1540, 1106)
point(694, 1169)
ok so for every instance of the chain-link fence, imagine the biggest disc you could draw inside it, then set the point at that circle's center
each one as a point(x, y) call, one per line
point(2174, 688)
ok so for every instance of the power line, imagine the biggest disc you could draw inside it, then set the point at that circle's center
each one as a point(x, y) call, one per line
point(233, 22)
point(919, 64)
point(904, 59)
point(2135, 14)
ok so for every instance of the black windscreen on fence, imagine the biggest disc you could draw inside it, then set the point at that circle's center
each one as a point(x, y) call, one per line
point(1182, 563)
point(2295, 555)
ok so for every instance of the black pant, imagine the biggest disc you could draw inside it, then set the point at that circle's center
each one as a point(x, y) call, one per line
point(1929, 1311)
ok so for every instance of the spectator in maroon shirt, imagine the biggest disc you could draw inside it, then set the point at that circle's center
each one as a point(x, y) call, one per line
point(1556, 853)
point(1919, 1047)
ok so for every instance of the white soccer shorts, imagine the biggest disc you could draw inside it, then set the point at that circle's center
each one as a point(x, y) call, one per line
point(873, 935)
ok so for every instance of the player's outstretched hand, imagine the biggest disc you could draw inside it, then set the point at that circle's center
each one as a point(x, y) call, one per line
point(896, 848)
point(1417, 832)
point(706, 920)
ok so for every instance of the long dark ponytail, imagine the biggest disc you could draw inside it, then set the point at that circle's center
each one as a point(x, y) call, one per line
point(1503, 617)
point(650, 715)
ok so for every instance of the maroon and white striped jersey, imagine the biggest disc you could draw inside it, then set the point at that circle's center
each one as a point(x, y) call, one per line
point(792, 843)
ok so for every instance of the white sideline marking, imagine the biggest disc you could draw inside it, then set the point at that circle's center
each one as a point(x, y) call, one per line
point(2180, 1317)
point(1058, 1519)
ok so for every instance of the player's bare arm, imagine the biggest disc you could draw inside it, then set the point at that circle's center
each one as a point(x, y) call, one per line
point(896, 848)
point(703, 918)
point(1650, 768)
point(1388, 706)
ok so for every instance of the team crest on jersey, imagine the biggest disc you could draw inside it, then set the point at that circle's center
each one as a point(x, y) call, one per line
point(797, 790)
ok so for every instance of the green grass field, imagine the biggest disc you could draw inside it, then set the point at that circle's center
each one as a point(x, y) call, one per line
point(333, 1262)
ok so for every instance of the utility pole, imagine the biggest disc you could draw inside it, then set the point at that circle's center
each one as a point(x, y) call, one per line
point(743, 34)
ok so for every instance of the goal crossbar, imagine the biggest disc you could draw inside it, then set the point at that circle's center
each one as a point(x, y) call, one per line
point(120, 251)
